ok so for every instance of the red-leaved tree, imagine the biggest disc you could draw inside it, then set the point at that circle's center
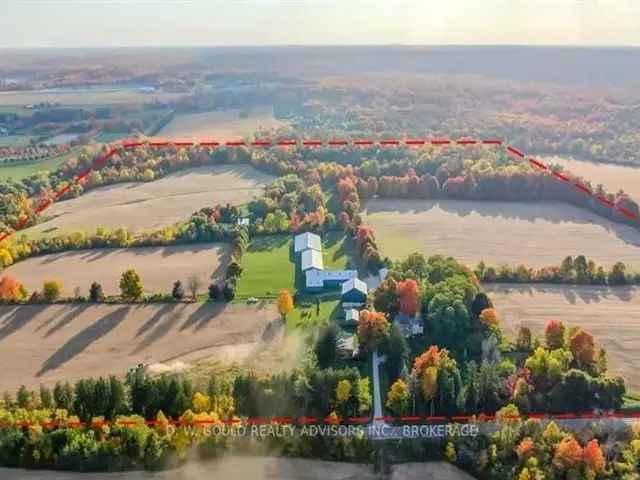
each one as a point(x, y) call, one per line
point(409, 294)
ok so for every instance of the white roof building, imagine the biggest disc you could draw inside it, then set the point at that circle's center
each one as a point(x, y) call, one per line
point(354, 283)
point(307, 241)
point(318, 278)
point(351, 316)
point(311, 259)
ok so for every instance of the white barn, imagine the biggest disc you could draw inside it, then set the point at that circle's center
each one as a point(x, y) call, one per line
point(307, 241)
point(311, 260)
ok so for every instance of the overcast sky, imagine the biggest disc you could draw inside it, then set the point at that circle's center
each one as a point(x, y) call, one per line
point(95, 23)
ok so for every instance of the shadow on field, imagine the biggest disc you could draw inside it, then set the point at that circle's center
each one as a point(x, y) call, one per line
point(203, 315)
point(75, 311)
point(16, 318)
point(586, 293)
point(162, 322)
point(155, 318)
point(79, 342)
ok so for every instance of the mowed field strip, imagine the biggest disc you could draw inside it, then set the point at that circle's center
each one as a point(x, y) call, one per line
point(612, 315)
point(155, 204)
point(47, 343)
point(158, 267)
point(536, 234)
point(220, 125)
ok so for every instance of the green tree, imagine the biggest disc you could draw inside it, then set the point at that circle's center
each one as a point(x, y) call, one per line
point(397, 351)
point(618, 274)
point(51, 290)
point(95, 293)
point(45, 397)
point(63, 396)
point(23, 397)
point(117, 403)
point(326, 346)
point(228, 291)
point(131, 285)
point(214, 292)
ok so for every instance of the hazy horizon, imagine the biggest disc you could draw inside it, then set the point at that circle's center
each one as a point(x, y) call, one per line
point(251, 23)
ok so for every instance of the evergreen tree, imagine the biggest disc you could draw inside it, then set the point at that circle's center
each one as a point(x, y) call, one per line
point(45, 397)
point(326, 346)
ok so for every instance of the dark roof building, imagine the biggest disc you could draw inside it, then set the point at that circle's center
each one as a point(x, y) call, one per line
point(354, 292)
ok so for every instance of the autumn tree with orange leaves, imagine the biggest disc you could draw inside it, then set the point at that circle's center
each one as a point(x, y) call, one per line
point(285, 303)
point(568, 453)
point(490, 317)
point(554, 334)
point(409, 294)
point(438, 377)
point(11, 290)
point(583, 347)
point(373, 328)
point(594, 457)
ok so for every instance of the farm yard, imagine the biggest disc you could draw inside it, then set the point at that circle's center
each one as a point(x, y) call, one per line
point(158, 267)
point(269, 264)
point(268, 267)
point(220, 125)
point(539, 234)
point(45, 344)
point(611, 314)
point(154, 204)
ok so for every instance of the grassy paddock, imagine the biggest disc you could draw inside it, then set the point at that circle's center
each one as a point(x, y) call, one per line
point(305, 316)
point(268, 267)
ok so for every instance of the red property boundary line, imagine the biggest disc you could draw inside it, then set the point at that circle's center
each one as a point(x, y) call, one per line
point(401, 420)
point(564, 176)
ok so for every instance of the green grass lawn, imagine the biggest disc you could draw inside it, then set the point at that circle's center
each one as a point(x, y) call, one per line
point(267, 267)
point(335, 251)
point(304, 315)
point(22, 170)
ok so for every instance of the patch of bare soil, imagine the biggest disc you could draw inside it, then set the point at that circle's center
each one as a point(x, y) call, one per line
point(45, 344)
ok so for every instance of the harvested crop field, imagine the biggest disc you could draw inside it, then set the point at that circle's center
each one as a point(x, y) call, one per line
point(243, 467)
point(47, 343)
point(84, 96)
point(611, 314)
point(261, 468)
point(158, 267)
point(612, 177)
point(224, 125)
point(537, 234)
point(155, 204)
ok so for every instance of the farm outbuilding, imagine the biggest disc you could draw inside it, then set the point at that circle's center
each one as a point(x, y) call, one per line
point(307, 241)
point(311, 260)
point(354, 292)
